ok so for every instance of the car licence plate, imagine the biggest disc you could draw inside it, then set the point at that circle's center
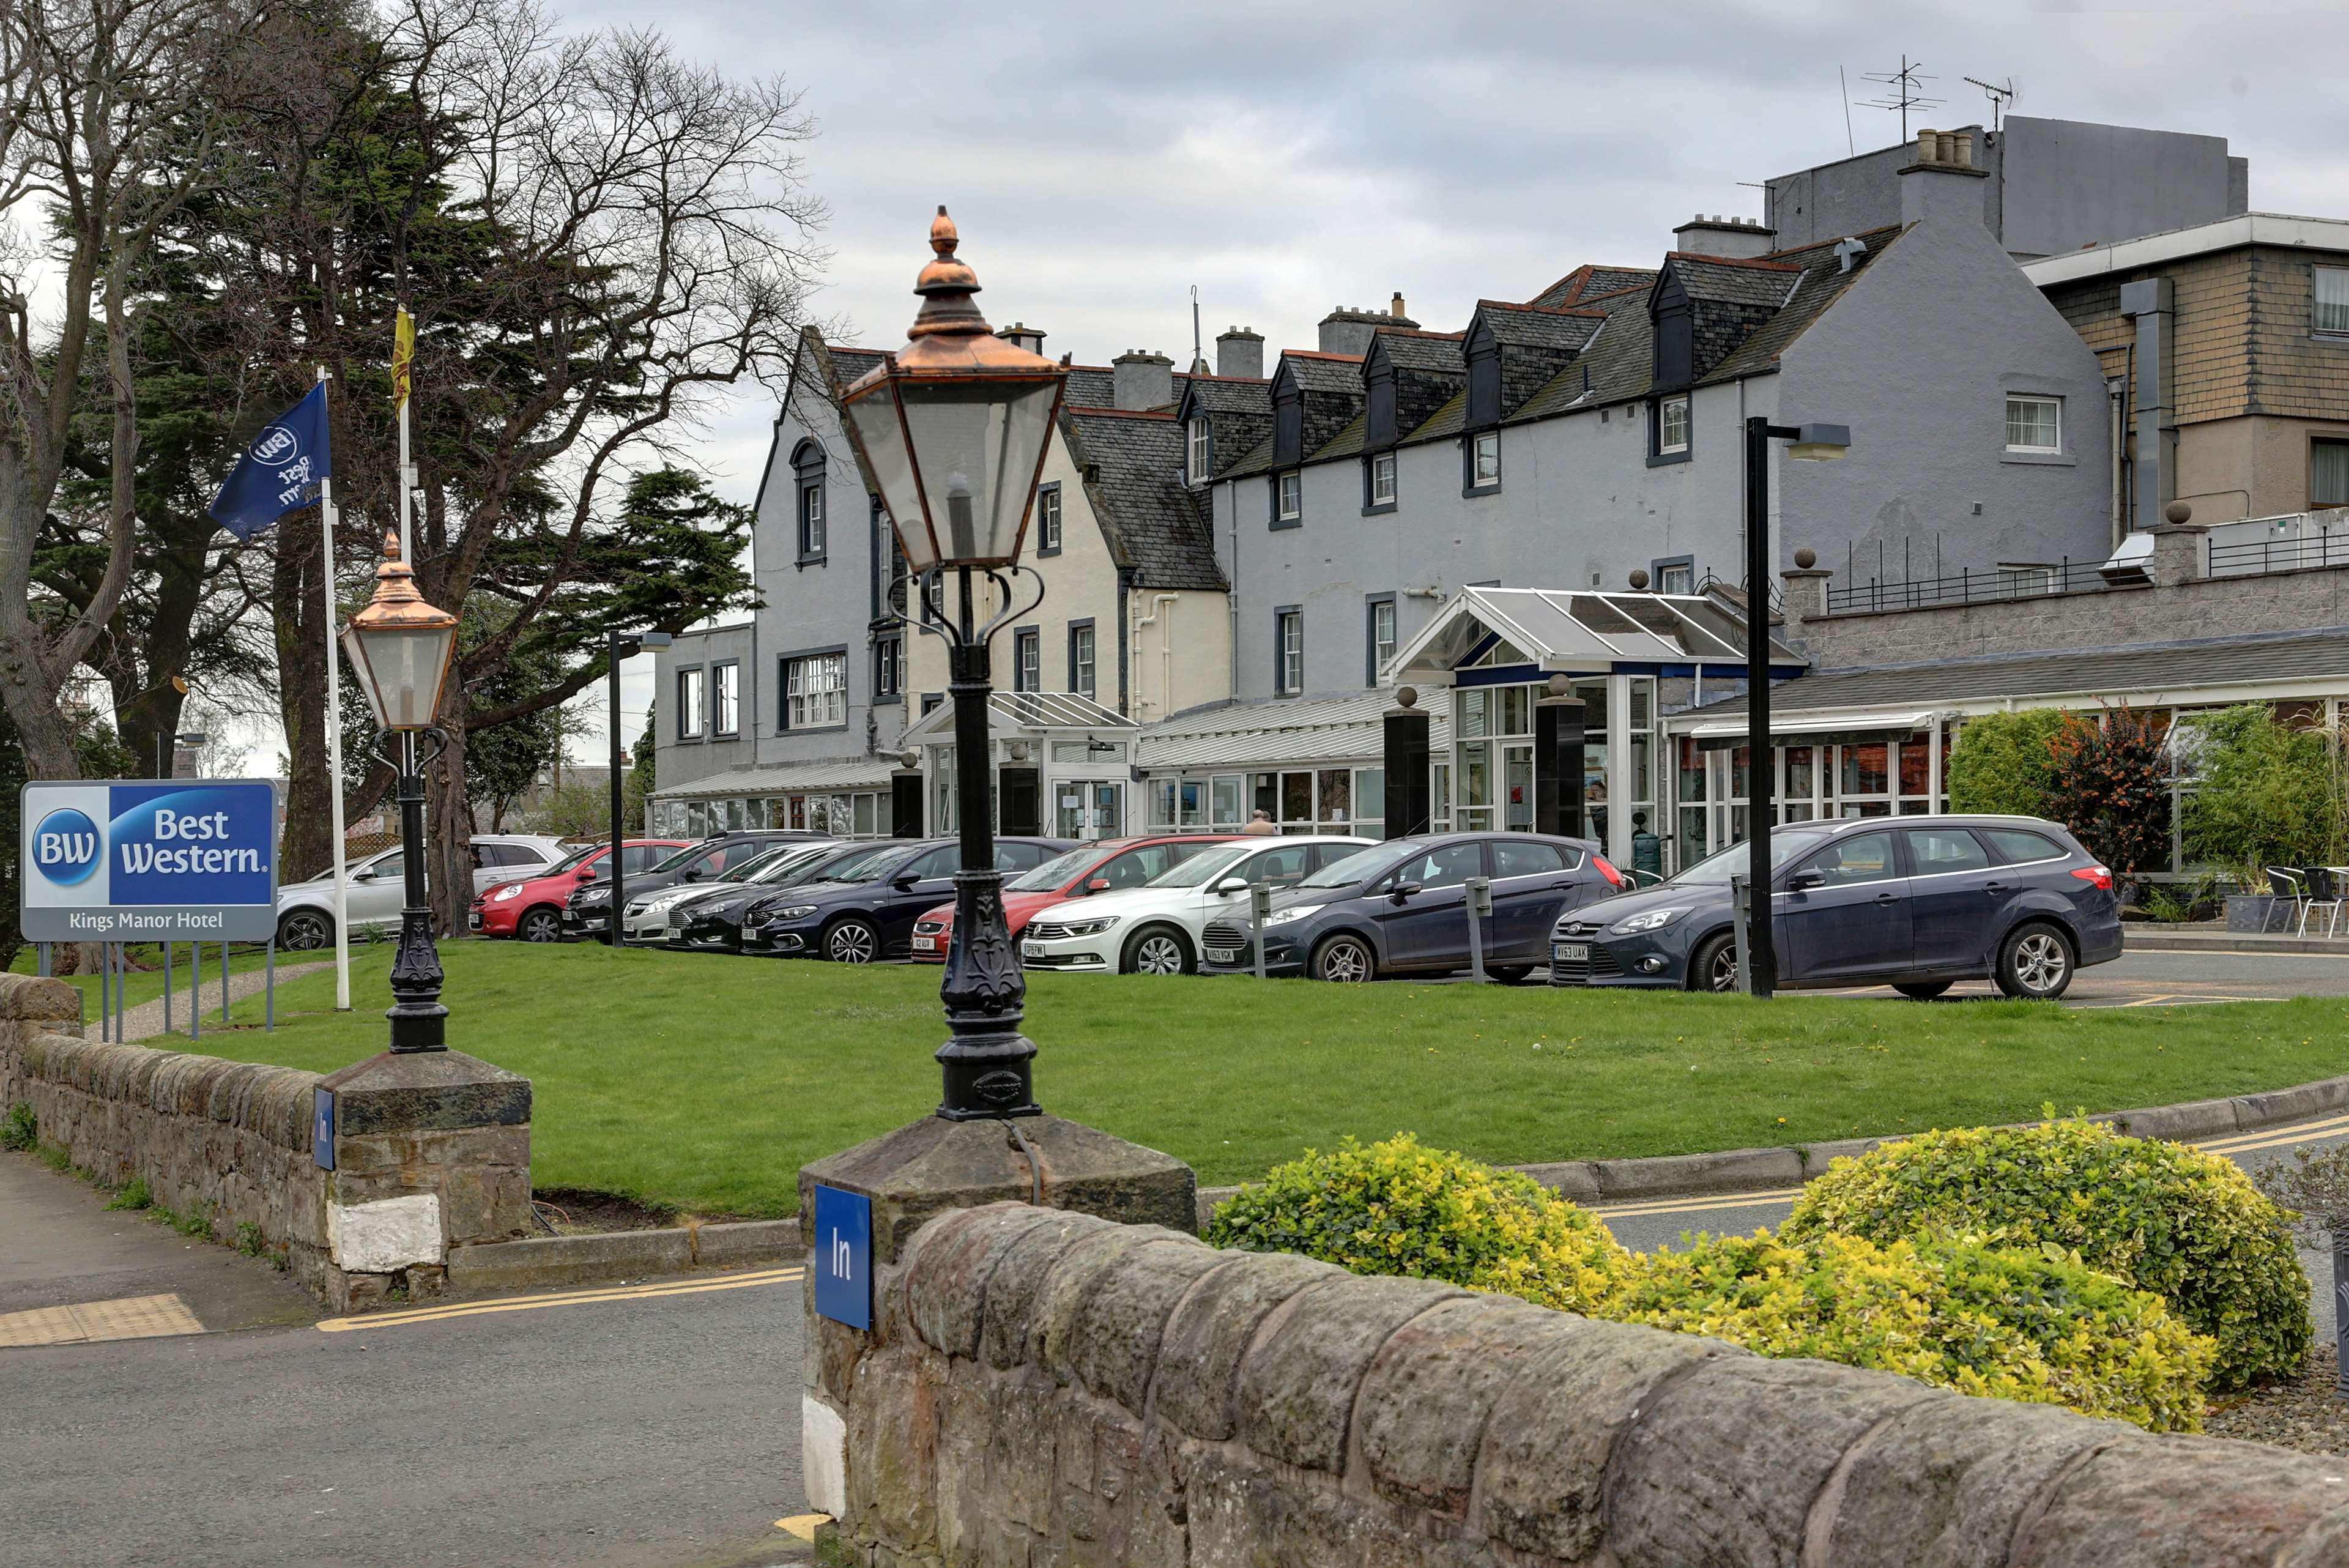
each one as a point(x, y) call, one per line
point(1222, 955)
point(474, 918)
point(1572, 952)
point(926, 944)
point(1031, 949)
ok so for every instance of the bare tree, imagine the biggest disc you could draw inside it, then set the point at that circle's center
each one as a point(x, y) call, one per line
point(106, 115)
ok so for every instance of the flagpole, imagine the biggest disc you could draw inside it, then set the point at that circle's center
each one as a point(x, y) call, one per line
point(335, 734)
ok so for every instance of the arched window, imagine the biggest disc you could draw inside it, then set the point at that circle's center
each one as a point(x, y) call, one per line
point(807, 467)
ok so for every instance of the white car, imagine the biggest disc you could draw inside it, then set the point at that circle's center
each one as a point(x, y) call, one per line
point(376, 890)
point(659, 917)
point(1154, 929)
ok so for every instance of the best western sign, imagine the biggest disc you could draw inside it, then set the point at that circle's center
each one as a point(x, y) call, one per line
point(150, 862)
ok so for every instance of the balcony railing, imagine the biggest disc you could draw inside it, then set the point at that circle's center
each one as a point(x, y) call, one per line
point(1967, 587)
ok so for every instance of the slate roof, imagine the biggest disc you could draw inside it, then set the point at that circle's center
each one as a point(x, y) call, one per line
point(1317, 372)
point(1590, 282)
point(1438, 352)
point(1152, 523)
point(1761, 283)
point(1538, 326)
point(2172, 668)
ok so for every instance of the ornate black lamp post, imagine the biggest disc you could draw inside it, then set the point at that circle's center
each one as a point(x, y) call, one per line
point(401, 649)
point(953, 428)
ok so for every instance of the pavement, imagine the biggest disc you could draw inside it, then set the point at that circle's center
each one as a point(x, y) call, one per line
point(145, 1022)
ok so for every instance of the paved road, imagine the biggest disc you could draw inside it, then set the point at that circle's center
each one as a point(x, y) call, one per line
point(645, 1431)
point(2158, 979)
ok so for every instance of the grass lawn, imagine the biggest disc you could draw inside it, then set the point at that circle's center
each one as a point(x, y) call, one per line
point(705, 1082)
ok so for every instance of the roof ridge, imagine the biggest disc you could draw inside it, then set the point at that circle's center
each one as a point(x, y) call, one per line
point(1118, 413)
point(1317, 354)
point(1764, 264)
point(1419, 332)
point(1547, 309)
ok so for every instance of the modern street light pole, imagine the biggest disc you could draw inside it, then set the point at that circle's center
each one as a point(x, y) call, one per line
point(1758, 964)
point(401, 649)
point(953, 428)
point(619, 646)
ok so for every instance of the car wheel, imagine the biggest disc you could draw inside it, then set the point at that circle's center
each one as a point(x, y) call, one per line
point(2035, 962)
point(1347, 961)
point(1507, 973)
point(851, 942)
point(1921, 990)
point(306, 930)
point(1715, 965)
point(1158, 949)
point(540, 925)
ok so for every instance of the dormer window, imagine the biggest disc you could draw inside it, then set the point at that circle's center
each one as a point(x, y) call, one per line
point(1196, 452)
point(1484, 355)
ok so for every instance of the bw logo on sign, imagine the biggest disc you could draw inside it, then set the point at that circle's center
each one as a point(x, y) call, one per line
point(67, 847)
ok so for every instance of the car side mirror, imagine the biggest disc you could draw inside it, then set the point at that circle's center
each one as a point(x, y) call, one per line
point(1098, 885)
point(1804, 882)
point(1231, 885)
point(693, 873)
point(905, 884)
point(1405, 889)
point(364, 873)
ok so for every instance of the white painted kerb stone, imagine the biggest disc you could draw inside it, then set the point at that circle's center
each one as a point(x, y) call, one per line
point(387, 1235)
point(824, 1456)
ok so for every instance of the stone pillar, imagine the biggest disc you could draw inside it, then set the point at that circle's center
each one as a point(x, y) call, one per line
point(2177, 550)
point(431, 1152)
point(1806, 594)
point(924, 1169)
point(1409, 806)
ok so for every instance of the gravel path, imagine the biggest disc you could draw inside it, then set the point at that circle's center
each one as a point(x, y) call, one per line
point(145, 1022)
point(2306, 1415)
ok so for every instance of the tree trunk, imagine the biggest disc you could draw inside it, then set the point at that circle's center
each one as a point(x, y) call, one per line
point(449, 832)
point(296, 597)
point(148, 711)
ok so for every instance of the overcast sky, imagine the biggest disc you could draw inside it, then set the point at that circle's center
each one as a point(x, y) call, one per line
point(1286, 158)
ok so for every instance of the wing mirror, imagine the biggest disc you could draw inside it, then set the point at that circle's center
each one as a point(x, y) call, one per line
point(1098, 885)
point(1804, 880)
point(364, 873)
point(1406, 890)
point(905, 884)
point(1231, 885)
point(693, 873)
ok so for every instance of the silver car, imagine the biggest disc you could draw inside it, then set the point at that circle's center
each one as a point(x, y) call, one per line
point(376, 887)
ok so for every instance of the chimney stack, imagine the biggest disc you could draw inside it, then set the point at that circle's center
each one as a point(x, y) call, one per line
point(1141, 379)
point(1395, 308)
point(1239, 353)
point(1020, 335)
point(1943, 182)
point(1347, 330)
point(1735, 238)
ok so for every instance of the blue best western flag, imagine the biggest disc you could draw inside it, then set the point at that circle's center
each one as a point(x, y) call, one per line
point(280, 472)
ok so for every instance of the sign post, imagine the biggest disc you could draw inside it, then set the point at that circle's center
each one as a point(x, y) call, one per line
point(1480, 904)
point(151, 861)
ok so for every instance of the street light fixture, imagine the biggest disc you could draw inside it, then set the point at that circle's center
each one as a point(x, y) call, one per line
point(623, 645)
point(954, 428)
point(402, 650)
point(1758, 965)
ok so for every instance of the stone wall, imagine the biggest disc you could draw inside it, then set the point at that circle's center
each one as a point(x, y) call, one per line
point(430, 1151)
point(1044, 1387)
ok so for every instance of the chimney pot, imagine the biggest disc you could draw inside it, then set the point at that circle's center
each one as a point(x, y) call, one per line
point(1020, 335)
point(1394, 307)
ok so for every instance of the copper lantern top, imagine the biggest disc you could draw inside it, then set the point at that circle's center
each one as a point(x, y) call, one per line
point(953, 427)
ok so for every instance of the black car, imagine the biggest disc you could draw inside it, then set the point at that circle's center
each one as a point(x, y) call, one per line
point(1403, 908)
point(1917, 904)
point(714, 924)
point(588, 911)
point(866, 911)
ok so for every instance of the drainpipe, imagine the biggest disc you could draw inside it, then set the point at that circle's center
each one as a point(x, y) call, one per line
point(2151, 303)
point(1232, 595)
point(1165, 650)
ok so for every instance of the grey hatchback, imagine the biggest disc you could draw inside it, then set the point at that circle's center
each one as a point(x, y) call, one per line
point(1917, 903)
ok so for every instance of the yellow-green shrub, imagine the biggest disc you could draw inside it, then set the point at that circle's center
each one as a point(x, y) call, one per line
point(1397, 1207)
point(2186, 1225)
point(2003, 1323)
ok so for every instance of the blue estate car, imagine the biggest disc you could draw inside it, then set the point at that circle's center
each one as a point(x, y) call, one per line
point(1401, 907)
point(1915, 903)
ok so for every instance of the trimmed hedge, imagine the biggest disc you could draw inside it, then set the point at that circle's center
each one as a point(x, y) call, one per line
point(1398, 1208)
point(2000, 1323)
point(2188, 1226)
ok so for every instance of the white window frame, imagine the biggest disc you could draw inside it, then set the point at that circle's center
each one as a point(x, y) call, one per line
point(2329, 301)
point(1048, 518)
point(1679, 577)
point(1485, 460)
point(1673, 422)
point(1195, 453)
point(1082, 665)
point(1027, 658)
point(1290, 627)
point(815, 691)
point(810, 521)
point(690, 716)
point(1288, 495)
point(2037, 400)
point(889, 667)
point(725, 698)
point(1382, 634)
point(1383, 478)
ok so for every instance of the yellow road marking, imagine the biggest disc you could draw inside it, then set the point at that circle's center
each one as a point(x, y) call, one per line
point(1691, 1205)
point(803, 1524)
point(568, 1298)
point(2268, 1137)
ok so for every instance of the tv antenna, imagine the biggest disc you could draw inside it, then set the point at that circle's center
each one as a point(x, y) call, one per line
point(1199, 358)
point(2000, 97)
point(1904, 90)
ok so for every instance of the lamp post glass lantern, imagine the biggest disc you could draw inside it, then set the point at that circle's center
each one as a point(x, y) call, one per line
point(401, 651)
point(1758, 964)
point(953, 428)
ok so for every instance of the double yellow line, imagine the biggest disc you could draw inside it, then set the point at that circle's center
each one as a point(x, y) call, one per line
point(2239, 1143)
point(567, 1298)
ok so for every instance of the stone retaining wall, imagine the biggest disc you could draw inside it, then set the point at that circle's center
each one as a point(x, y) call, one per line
point(1044, 1387)
point(430, 1152)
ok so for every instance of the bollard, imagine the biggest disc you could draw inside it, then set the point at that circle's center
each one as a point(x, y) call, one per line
point(1259, 907)
point(1480, 907)
point(1741, 905)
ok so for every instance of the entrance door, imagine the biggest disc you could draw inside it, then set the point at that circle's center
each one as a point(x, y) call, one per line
point(1109, 809)
point(1518, 787)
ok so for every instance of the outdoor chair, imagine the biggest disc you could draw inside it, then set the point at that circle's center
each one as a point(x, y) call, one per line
point(2290, 889)
point(2324, 893)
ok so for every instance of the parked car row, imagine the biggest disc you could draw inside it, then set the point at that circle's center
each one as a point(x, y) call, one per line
point(1917, 904)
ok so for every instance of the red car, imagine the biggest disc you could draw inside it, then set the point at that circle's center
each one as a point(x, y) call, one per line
point(533, 909)
point(1104, 866)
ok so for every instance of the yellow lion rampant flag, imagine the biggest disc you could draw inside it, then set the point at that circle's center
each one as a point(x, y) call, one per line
point(403, 356)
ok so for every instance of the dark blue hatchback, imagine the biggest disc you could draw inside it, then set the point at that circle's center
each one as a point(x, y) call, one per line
point(1915, 903)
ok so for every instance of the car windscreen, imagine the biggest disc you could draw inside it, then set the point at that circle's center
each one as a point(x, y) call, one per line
point(1055, 873)
point(1367, 863)
point(573, 858)
point(1717, 869)
point(681, 860)
point(1205, 866)
point(767, 861)
point(791, 864)
point(868, 868)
